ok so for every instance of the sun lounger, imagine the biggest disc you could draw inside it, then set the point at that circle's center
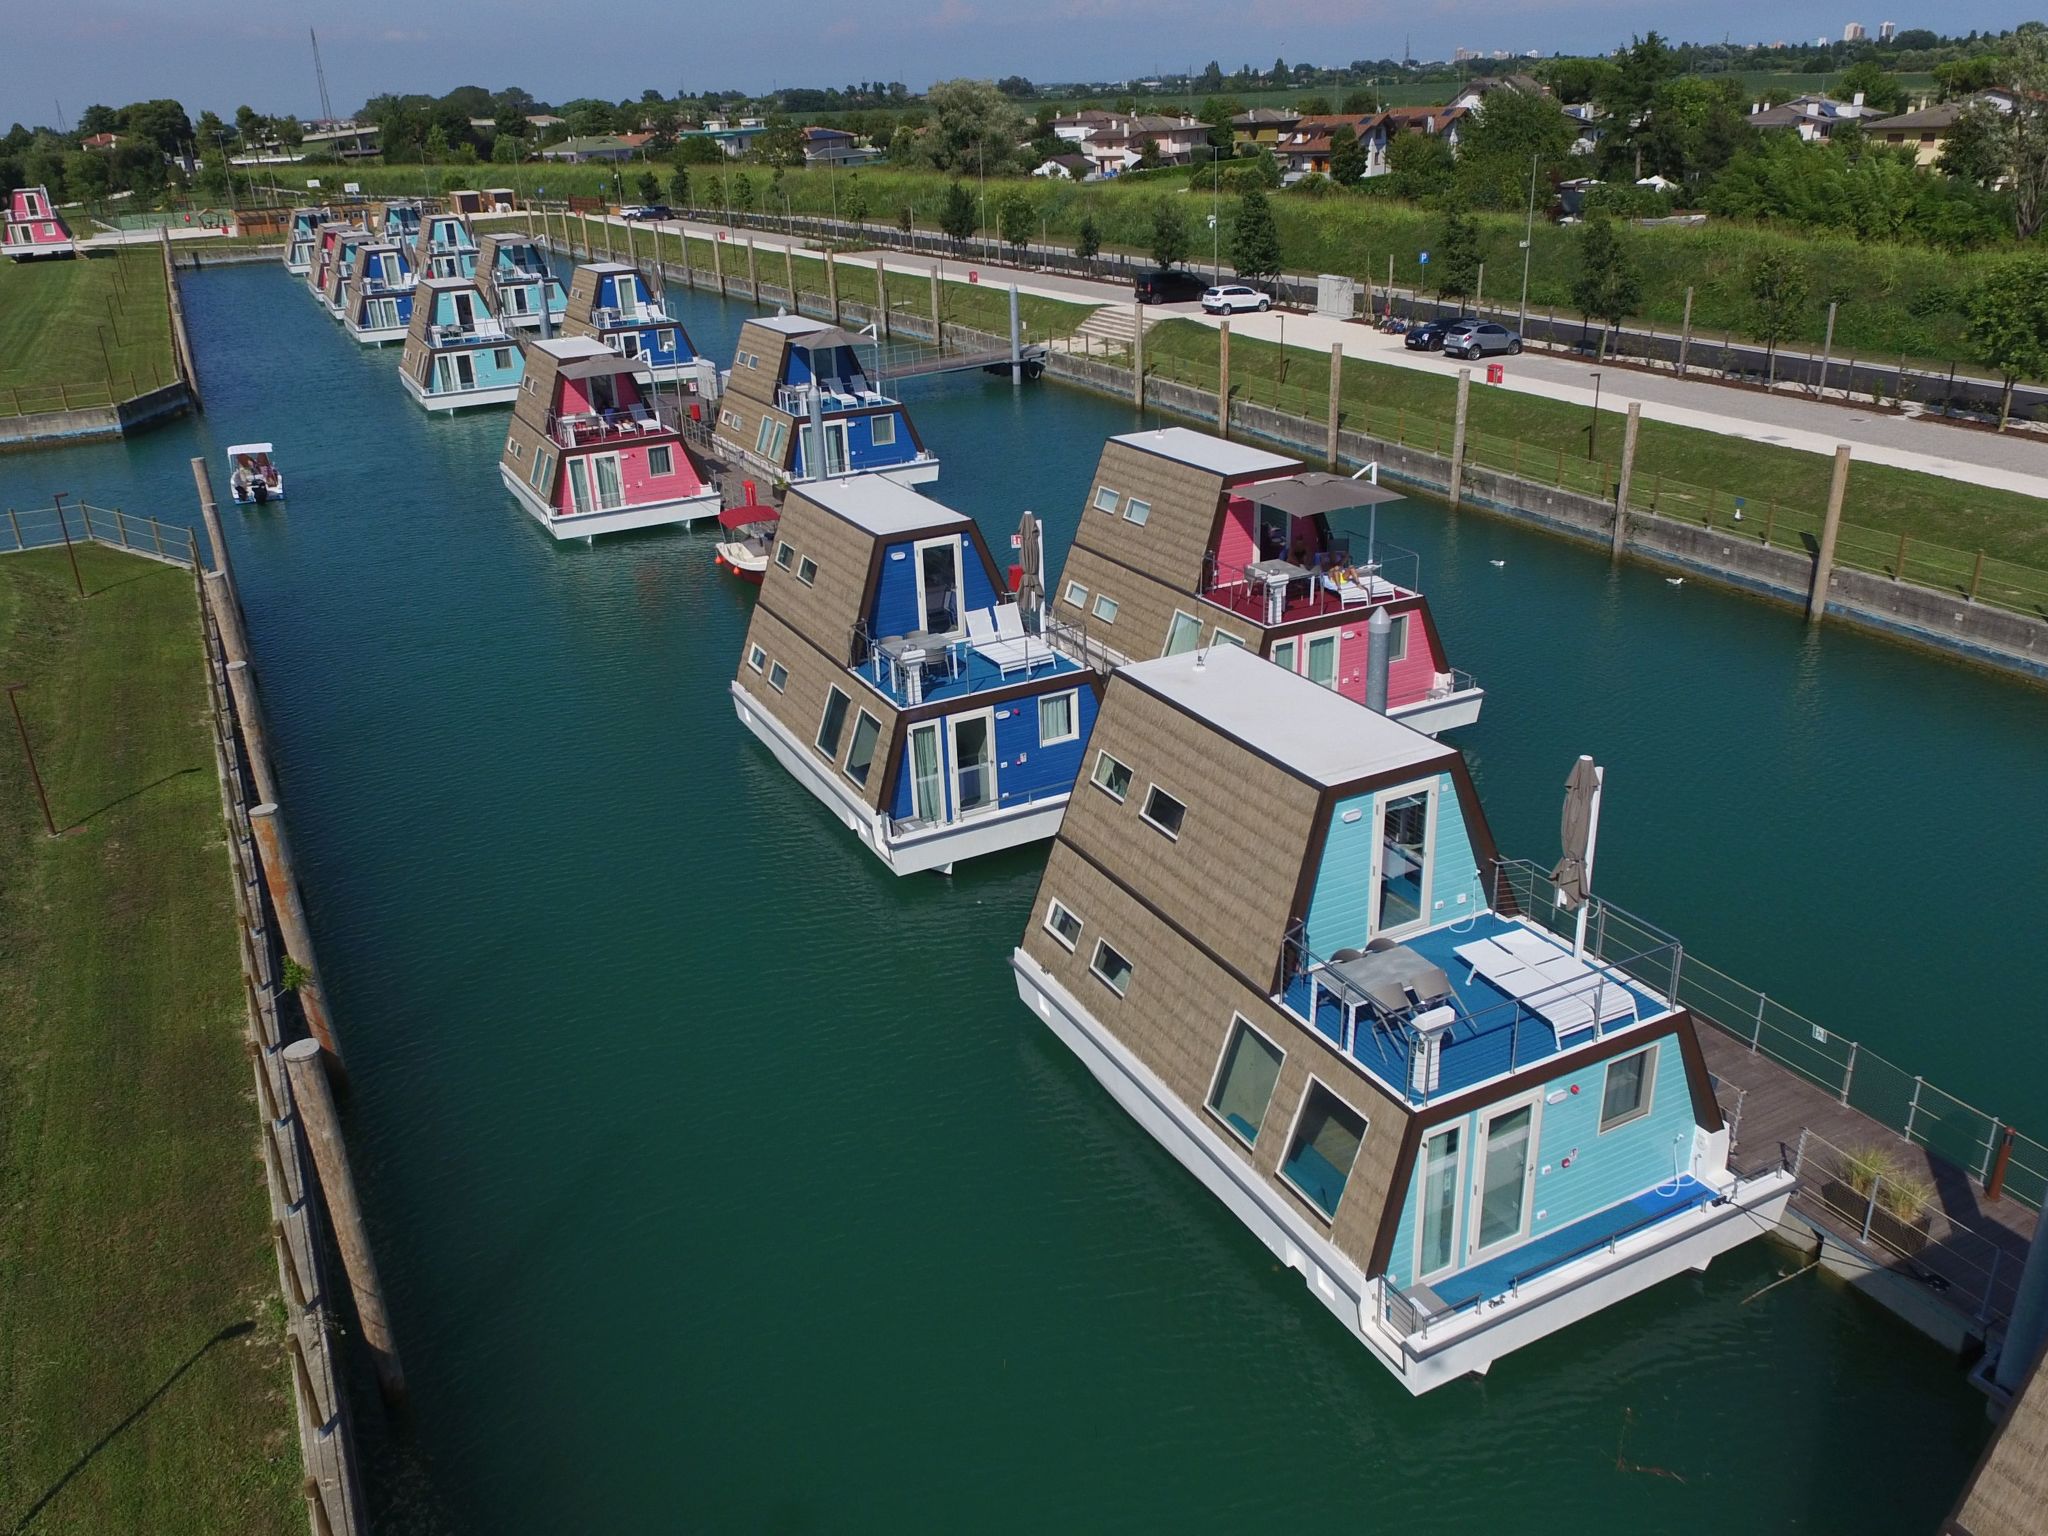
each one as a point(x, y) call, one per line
point(1000, 637)
point(1567, 994)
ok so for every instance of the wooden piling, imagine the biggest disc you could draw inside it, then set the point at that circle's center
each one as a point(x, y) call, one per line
point(938, 331)
point(242, 684)
point(1976, 575)
point(1628, 469)
point(1824, 563)
point(832, 286)
point(882, 298)
point(1458, 437)
point(313, 1100)
point(1223, 380)
point(753, 273)
point(1138, 356)
point(209, 509)
point(717, 263)
point(281, 880)
point(796, 303)
point(1336, 393)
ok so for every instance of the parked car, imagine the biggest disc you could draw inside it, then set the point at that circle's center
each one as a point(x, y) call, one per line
point(1229, 298)
point(647, 211)
point(1171, 286)
point(1472, 339)
point(1429, 335)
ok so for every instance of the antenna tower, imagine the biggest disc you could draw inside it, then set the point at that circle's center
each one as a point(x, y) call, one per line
point(320, 74)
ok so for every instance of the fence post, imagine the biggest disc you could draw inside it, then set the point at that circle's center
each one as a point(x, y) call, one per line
point(1849, 1070)
point(1756, 1036)
point(1976, 575)
point(1913, 1108)
point(1138, 355)
point(1824, 564)
point(1799, 1152)
point(1899, 560)
point(1336, 392)
point(1994, 1187)
point(1685, 333)
point(313, 1100)
point(1223, 380)
point(1628, 468)
point(1458, 437)
point(15, 523)
point(938, 325)
point(796, 306)
point(717, 263)
point(1770, 517)
point(1870, 1207)
point(1827, 348)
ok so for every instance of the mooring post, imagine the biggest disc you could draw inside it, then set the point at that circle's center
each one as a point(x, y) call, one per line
point(313, 1099)
point(796, 303)
point(282, 882)
point(1223, 379)
point(1824, 563)
point(1628, 467)
point(717, 263)
point(1016, 341)
point(1336, 392)
point(938, 334)
point(832, 284)
point(242, 684)
point(1458, 437)
point(1685, 333)
point(209, 509)
point(1138, 356)
point(882, 298)
point(753, 273)
point(683, 245)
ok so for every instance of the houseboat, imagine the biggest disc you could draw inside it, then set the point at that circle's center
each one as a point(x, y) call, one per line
point(799, 405)
point(890, 672)
point(1188, 540)
point(515, 276)
point(615, 303)
point(445, 247)
point(377, 302)
point(401, 222)
point(334, 280)
point(1275, 927)
point(326, 245)
point(457, 353)
point(588, 452)
point(34, 227)
point(300, 238)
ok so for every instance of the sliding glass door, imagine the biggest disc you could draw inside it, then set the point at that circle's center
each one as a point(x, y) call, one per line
point(1507, 1140)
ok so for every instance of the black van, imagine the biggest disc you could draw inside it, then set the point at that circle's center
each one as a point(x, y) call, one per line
point(1173, 286)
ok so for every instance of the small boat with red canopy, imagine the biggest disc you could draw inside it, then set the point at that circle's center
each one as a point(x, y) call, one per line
point(752, 541)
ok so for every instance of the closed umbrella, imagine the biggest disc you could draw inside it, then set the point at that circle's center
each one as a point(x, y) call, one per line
point(1030, 556)
point(1579, 830)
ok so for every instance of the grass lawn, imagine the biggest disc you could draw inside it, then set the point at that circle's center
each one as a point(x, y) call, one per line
point(142, 1383)
point(81, 324)
point(1684, 472)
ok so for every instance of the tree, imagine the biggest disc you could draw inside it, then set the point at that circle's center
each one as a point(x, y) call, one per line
point(956, 214)
point(906, 219)
point(1419, 166)
point(780, 144)
point(1347, 156)
point(1359, 103)
point(1777, 295)
point(249, 125)
point(1696, 127)
point(974, 127)
point(1018, 221)
point(2008, 324)
point(1880, 90)
point(1255, 238)
point(1088, 239)
point(679, 186)
point(743, 192)
point(1607, 287)
point(1974, 152)
point(436, 147)
point(1313, 106)
point(507, 150)
point(1498, 145)
point(1455, 261)
point(650, 187)
point(856, 204)
point(1222, 132)
point(1170, 239)
point(2024, 135)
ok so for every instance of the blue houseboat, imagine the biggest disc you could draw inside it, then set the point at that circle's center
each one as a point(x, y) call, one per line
point(888, 669)
point(445, 247)
point(615, 304)
point(798, 404)
point(514, 275)
point(401, 222)
point(300, 238)
point(1275, 927)
point(457, 353)
point(378, 300)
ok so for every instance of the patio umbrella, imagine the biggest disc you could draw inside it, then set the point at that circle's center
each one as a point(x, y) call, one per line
point(1578, 830)
point(1031, 589)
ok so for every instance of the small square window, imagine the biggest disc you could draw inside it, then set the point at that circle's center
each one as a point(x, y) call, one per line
point(1327, 1136)
point(1112, 777)
point(1397, 639)
point(1077, 594)
point(1058, 719)
point(807, 571)
point(1105, 607)
point(1062, 924)
point(1106, 500)
point(1110, 968)
point(661, 461)
point(884, 431)
point(1626, 1095)
point(778, 677)
point(784, 556)
point(1137, 511)
point(1163, 811)
point(757, 658)
point(1245, 1079)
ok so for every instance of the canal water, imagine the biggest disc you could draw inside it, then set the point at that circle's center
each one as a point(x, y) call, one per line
point(720, 1182)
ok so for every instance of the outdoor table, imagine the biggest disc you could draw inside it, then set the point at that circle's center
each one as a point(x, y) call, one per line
point(1386, 977)
point(1275, 576)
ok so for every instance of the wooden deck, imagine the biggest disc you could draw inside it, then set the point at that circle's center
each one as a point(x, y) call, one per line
point(1973, 1248)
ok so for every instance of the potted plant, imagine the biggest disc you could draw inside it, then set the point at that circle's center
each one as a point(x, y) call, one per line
point(1904, 1201)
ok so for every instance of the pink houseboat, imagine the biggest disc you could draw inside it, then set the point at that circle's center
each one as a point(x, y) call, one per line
point(590, 452)
point(33, 226)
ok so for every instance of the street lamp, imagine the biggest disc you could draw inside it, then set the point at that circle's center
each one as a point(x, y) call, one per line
point(1593, 428)
point(1528, 244)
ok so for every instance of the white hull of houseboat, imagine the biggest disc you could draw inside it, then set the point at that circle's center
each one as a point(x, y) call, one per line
point(659, 514)
point(300, 267)
point(905, 853)
point(53, 248)
point(1464, 1344)
point(378, 335)
point(1433, 717)
point(459, 399)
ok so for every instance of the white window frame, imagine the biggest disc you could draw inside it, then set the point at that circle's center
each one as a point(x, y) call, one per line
point(1180, 617)
point(1397, 637)
point(994, 802)
point(1221, 636)
point(1145, 811)
point(831, 753)
point(1114, 605)
point(882, 430)
point(1475, 1171)
point(1239, 1021)
point(761, 437)
point(1052, 905)
point(1459, 1177)
point(757, 658)
point(807, 564)
point(1335, 640)
point(777, 670)
point(1380, 800)
point(1642, 1109)
point(1328, 1218)
point(1132, 512)
point(958, 546)
point(1095, 967)
point(668, 460)
point(846, 767)
point(785, 556)
point(1095, 776)
point(1115, 500)
point(1073, 698)
point(1077, 595)
point(1292, 661)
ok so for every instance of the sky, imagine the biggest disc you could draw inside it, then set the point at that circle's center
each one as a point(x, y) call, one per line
point(219, 54)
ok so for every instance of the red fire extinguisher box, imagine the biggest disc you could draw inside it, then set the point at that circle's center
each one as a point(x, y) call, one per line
point(1496, 372)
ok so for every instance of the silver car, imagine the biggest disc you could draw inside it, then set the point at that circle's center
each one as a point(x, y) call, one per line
point(1471, 339)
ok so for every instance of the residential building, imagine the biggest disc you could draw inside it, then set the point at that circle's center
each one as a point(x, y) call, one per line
point(1472, 97)
point(1261, 128)
point(1926, 129)
point(597, 147)
point(1853, 32)
point(1887, 30)
point(1813, 118)
point(1065, 168)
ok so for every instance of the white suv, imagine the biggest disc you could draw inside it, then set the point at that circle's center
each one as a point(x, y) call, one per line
point(1229, 298)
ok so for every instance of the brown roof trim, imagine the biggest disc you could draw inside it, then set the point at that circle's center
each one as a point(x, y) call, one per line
point(1305, 877)
point(1321, 621)
point(1565, 1062)
point(1397, 1197)
point(1087, 677)
point(1706, 1109)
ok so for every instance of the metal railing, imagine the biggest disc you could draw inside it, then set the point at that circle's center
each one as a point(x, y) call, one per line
point(477, 331)
point(79, 523)
point(795, 399)
point(945, 663)
point(1393, 572)
point(581, 431)
point(639, 314)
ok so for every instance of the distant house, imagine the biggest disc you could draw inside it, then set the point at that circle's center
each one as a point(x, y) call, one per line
point(1446, 123)
point(1473, 97)
point(1065, 168)
point(1813, 118)
point(1588, 127)
point(733, 135)
point(1118, 144)
point(101, 141)
point(1304, 149)
point(1082, 126)
point(1926, 130)
point(835, 146)
point(596, 147)
point(1261, 128)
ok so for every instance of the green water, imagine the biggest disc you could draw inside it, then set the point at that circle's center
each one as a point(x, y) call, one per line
point(718, 1179)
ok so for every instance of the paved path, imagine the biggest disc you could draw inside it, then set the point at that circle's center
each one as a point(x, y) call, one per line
point(2002, 462)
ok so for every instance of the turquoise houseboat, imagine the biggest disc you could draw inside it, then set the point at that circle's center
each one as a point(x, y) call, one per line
point(890, 671)
point(445, 247)
point(1275, 927)
point(299, 239)
point(457, 353)
point(515, 276)
point(378, 301)
point(615, 304)
point(798, 404)
point(401, 222)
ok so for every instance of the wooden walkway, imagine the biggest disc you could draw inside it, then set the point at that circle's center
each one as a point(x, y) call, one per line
point(1974, 1246)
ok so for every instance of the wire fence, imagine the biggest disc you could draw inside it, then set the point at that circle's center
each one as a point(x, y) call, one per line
point(56, 526)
